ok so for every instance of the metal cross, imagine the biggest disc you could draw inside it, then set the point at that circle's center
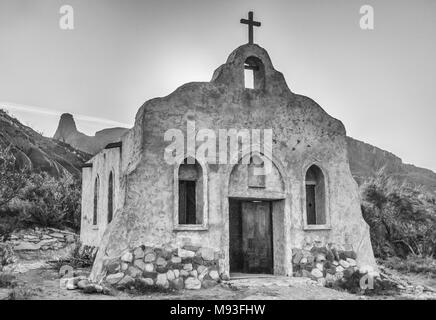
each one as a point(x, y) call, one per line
point(251, 23)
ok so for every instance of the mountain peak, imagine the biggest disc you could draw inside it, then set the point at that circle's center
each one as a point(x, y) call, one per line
point(66, 127)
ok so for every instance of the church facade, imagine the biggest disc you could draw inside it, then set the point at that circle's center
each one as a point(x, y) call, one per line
point(193, 222)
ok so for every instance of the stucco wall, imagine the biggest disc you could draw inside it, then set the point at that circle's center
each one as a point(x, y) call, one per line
point(303, 134)
point(105, 162)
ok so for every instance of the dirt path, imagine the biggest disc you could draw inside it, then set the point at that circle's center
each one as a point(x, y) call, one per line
point(43, 284)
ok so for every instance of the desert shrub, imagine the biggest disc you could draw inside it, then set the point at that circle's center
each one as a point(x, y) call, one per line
point(415, 264)
point(52, 202)
point(29, 199)
point(81, 257)
point(402, 218)
point(7, 280)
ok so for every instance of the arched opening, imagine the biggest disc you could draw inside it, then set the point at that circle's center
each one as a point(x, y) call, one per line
point(110, 199)
point(315, 196)
point(96, 196)
point(191, 202)
point(254, 73)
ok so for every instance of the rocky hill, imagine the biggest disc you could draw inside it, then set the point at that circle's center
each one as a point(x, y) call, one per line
point(37, 152)
point(67, 132)
point(366, 160)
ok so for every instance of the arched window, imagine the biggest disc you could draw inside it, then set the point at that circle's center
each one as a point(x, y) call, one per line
point(256, 172)
point(254, 73)
point(96, 196)
point(190, 180)
point(315, 196)
point(110, 198)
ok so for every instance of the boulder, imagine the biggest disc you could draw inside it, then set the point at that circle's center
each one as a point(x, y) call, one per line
point(177, 284)
point(139, 253)
point(147, 281)
point(127, 257)
point(134, 272)
point(214, 275)
point(206, 284)
point(149, 257)
point(140, 264)
point(182, 253)
point(162, 280)
point(126, 281)
point(161, 262)
point(317, 273)
point(192, 283)
point(114, 278)
point(176, 260)
point(344, 264)
point(297, 256)
point(207, 254)
point(351, 262)
point(187, 267)
point(170, 275)
point(148, 267)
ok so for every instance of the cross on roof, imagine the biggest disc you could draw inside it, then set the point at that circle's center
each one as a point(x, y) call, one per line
point(250, 23)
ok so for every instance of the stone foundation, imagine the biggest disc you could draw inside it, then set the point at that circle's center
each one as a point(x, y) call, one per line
point(182, 268)
point(326, 265)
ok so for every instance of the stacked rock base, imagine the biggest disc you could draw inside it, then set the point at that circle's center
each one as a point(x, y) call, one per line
point(182, 268)
point(325, 265)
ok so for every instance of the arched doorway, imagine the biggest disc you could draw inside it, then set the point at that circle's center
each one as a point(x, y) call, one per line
point(256, 218)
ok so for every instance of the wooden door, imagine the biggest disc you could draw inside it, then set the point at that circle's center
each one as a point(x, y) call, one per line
point(257, 237)
point(310, 204)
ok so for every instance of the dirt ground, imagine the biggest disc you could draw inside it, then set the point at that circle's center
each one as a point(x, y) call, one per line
point(42, 283)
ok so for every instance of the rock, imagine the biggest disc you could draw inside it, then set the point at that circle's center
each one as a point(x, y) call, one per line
point(170, 275)
point(124, 266)
point(127, 257)
point(192, 283)
point(176, 260)
point(317, 273)
point(297, 256)
point(140, 264)
point(351, 262)
point(70, 238)
point(214, 275)
point(184, 273)
point(187, 267)
point(149, 257)
point(207, 254)
point(177, 284)
point(344, 264)
point(182, 253)
point(335, 263)
point(139, 253)
point(26, 246)
point(113, 267)
point(161, 262)
point(83, 283)
point(114, 278)
point(126, 281)
point(303, 261)
point(176, 273)
point(162, 280)
point(148, 282)
point(134, 272)
point(194, 273)
point(330, 278)
point(149, 267)
point(348, 272)
point(152, 275)
point(71, 284)
point(321, 282)
point(206, 284)
point(320, 257)
point(57, 235)
point(339, 269)
point(190, 248)
point(93, 288)
point(306, 274)
point(320, 266)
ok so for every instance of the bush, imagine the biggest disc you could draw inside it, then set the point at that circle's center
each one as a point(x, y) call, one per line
point(402, 218)
point(29, 199)
point(413, 264)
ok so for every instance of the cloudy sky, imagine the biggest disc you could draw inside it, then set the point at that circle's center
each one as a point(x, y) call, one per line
point(380, 83)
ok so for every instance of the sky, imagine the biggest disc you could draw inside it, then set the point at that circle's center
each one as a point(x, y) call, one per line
point(380, 83)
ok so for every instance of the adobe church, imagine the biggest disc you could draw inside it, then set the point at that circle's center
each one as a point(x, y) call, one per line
point(192, 223)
